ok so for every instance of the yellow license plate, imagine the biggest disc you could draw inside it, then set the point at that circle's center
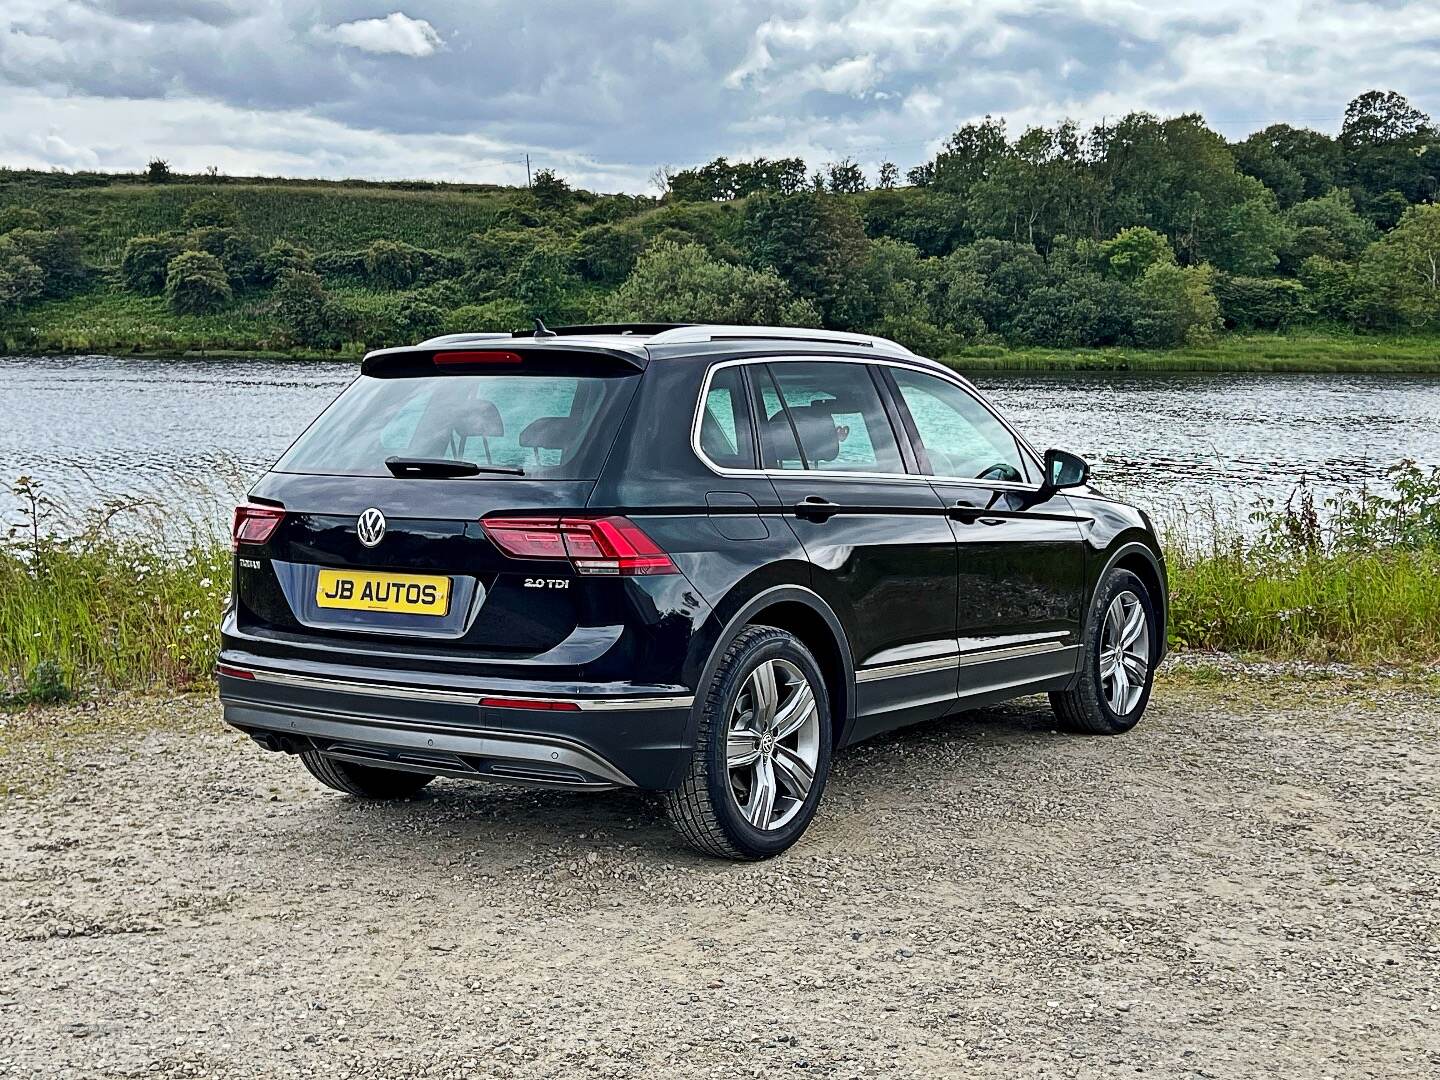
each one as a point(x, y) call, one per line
point(359, 590)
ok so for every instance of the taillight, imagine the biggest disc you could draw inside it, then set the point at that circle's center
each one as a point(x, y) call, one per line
point(254, 524)
point(607, 545)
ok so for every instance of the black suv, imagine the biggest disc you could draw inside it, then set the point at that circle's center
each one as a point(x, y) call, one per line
point(695, 559)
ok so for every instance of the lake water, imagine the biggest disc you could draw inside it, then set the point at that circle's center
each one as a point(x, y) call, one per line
point(194, 433)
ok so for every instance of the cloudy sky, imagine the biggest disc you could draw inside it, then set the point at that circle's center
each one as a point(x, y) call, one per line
point(605, 91)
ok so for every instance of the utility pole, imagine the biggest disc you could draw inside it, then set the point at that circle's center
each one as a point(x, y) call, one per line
point(527, 170)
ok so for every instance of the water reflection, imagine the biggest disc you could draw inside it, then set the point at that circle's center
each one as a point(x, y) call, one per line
point(193, 433)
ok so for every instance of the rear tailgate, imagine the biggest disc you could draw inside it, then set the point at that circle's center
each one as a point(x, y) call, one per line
point(430, 580)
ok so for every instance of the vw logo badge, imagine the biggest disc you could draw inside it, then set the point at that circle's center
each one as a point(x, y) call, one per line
point(371, 527)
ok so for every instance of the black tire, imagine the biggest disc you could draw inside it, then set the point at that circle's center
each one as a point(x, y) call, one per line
point(704, 809)
point(363, 781)
point(1085, 708)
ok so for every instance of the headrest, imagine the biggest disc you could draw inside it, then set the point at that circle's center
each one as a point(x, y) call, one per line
point(819, 437)
point(485, 419)
point(549, 433)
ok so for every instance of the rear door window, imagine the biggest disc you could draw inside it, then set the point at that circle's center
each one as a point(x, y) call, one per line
point(836, 412)
point(555, 426)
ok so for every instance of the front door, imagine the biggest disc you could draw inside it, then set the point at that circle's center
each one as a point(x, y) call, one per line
point(1021, 551)
point(880, 545)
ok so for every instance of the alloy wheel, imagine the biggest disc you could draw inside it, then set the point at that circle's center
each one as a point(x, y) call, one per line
point(1124, 653)
point(773, 744)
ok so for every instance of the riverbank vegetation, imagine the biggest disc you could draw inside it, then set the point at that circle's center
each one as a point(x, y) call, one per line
point(119, 600)
point(1006, 248)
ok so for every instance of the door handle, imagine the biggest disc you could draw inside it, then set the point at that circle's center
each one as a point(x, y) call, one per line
point(814, 508)
point(969, 515)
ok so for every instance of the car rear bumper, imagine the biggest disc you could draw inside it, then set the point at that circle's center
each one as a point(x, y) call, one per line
point(549, 734)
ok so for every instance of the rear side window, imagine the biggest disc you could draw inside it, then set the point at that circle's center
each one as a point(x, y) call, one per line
point(837, 413)
point(726, 437)
point(555, 426)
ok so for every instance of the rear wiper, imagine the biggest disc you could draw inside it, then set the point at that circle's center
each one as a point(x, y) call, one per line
point(444, 467)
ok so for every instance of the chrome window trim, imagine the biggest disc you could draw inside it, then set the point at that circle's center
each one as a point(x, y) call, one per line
point(1036, 459)
point(462, 697)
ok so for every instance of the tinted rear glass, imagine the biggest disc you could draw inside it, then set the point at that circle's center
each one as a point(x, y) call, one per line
point(553, 426)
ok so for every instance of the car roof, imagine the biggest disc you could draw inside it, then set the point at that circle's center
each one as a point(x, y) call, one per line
point(653, 341)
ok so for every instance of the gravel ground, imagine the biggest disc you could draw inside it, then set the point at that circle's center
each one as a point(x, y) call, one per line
point(1246, 886)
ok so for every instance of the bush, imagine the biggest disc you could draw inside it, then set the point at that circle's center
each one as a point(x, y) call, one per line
point(1399, 277)
point(20, 217)
point(307, 312)
point(1331, 287)
point(210, 211)
point(494, 315)
point(57, 254)
point(341, 264)
point(144, 265)
point(158, 171)
point(21, 281)
point(196, 284)
point(1252, 303)
point(609, 252)
point(672, 283)
point(1132, 252)
point(417, 319)
point(1183, 305)
point(236, 251)
point(282, 258)
point(390, 264)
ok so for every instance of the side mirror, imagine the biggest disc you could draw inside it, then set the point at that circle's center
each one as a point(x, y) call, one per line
point(1065, 470)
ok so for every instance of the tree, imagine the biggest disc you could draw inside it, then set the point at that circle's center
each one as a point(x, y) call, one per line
point(817, 245)
point(1295, 163)
point(1328, 226)
point(158, 171)
point(1384, 139)
point(970, 155)
point(196, 284)
point(1399, 277)
point(1182, 300)
point(550, 190)
point(546, 282)
point(674, 283)
point(145, 263)
point(889, 175)
point(844, 177)
point(1134, 251)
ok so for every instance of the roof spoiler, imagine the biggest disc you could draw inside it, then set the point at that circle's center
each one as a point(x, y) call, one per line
point(425, 358)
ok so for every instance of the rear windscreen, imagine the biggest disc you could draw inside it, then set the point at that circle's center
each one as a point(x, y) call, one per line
point(552, 426)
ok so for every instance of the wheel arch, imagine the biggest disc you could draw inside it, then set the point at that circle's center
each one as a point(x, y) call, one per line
point(1147, 563)
point(801, 612)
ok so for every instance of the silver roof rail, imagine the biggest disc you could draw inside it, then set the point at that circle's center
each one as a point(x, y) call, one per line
point(460, 339)
point(690, 335)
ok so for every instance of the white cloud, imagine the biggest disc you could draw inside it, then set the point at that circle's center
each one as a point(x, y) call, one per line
point(395, 33)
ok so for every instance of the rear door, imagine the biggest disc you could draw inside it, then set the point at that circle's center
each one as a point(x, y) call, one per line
point(1021, 550)
point(528, 435)
point(882, 551)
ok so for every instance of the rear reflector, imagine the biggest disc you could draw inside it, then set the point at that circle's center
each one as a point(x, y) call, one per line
point(528, 703)
point(478, 356)
point(254, 524)
point(234, 672)
point(613, 546)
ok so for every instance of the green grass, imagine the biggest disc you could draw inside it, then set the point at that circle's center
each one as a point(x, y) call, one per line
point(1381, 607)
point(322, 217)
point(104, 611)
point(1307, 351)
